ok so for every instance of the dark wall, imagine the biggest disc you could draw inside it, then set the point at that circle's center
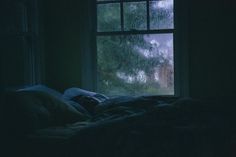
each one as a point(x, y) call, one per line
point(212, 49)
point(12, 45)
point(19, 43)
point(66, 36)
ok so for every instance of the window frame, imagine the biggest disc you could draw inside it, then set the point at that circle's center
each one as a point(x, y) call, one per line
point(123, 31)
point(180, 41)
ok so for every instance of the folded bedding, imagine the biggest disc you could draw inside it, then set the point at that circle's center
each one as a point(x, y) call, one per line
point(31, 110)
point(78, 121)
point(129, 113)
point(122, 131)
point(115, 115)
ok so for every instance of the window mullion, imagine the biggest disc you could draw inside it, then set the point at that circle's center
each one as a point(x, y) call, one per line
point(112, 1)
point(148, 15)
point(122, 15)
point(164, 31)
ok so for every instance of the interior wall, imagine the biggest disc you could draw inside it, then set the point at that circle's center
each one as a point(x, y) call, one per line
point(19, 43)
point(66, 42)
point(212, 48)
point(12, 45)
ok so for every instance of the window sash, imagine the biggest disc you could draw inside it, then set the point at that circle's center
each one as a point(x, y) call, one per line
point(123, 1)
point(147, 31)
point(161, 31)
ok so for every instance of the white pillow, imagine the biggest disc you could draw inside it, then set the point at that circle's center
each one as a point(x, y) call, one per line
point(43, 88)
point(70, 93)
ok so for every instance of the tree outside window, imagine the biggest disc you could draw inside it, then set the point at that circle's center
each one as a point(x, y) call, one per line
point(135, 47)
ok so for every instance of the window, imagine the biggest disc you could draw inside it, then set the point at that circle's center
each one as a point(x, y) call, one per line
point(135, 47)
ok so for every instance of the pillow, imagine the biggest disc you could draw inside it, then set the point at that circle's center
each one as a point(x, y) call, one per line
point(73, 92)
point(89, 103)
point(57, 95)
point(43, 88)
point(35, 109)
point(87, 99)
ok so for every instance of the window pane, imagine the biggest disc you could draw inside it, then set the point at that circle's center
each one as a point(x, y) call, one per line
point(135, 64)
point(135, 16)
point(161, 14)
point(108, 17)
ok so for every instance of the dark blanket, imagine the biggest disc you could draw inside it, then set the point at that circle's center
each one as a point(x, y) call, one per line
point(140, 127)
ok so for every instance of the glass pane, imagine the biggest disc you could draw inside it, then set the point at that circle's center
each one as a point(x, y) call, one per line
point(135, 16)
point(136, 64)
point(108, 17)
point(161, 14)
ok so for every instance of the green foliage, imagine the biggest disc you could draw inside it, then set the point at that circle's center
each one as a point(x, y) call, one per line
point(127, 64)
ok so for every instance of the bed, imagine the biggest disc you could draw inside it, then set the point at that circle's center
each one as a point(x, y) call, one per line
point(40, 122)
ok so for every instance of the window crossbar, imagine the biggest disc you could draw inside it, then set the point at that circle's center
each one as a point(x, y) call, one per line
point(162, 31)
